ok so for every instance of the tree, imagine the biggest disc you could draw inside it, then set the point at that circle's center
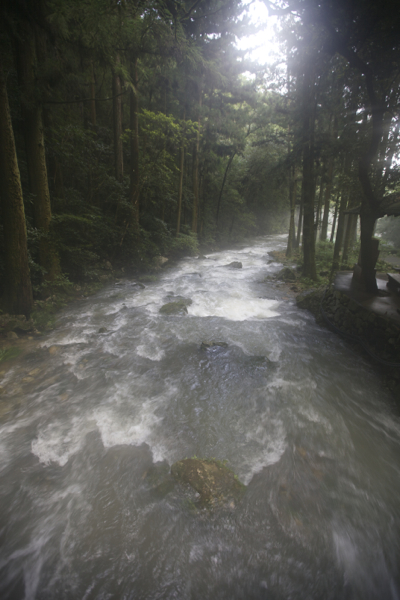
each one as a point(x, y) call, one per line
point(18, 290)
point(365, 34)
point(29, 39)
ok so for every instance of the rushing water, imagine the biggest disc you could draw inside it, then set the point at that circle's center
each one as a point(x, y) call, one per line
point(90, 424)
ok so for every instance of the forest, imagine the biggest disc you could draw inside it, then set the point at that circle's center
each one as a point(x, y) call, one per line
point(134, 129)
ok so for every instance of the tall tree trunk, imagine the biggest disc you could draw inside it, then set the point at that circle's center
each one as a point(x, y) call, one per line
point(308, 183)
point(196, 170)
point(335, 219)
point(299, 225)
point(117, 121)
point(349, 237)
point(232, 156)
point(292, 231)
point(328, 190)
point(370, 209)
point(181, 171)
point(35, 148)
point(134, 127)
point(319, 207)
point(18, 290)
point(327, 200)
point(339, 233)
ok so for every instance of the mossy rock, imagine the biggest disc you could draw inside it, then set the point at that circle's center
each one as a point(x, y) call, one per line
point(211, 478)
point(176, 308)
point(310, 301)
point(286, 274)
point(212, 344)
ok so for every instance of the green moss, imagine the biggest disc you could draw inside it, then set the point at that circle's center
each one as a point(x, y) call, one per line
point(211, 478)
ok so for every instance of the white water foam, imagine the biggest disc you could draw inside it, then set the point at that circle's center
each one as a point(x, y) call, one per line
point(267, 441)
point(150, 347)
point(60, 440)
point(234, 309)
point(118, 430)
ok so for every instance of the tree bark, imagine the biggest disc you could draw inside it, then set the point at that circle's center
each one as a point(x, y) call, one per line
point(340, 232)
point(349, 237)
point(292, 227)
point(92, 92)
point(334, 219)
point(299, 225)
point(35, 149)
point(134, 127)
point(319, 207)
point(308, 182)
point(232, 156)
point(328, 189)
point(18, 290)
point(117, 121)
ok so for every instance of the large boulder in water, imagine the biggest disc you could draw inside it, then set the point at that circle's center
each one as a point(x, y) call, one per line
point(213, 344)
point(176, 308)
point(211, 478)
point(235, 265)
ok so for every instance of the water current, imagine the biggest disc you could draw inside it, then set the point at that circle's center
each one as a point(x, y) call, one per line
point(90, 424)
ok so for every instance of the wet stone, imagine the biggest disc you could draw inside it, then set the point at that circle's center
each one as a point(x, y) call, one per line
point(235, 265)
point(212, 344)
point(286, 274)
point(175, 308)
point(210, 478)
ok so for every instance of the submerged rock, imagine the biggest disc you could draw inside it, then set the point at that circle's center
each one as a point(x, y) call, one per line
point(206, 345)
point(103, 330)
point(211, 478)
point(235, 265)
point(176, 308)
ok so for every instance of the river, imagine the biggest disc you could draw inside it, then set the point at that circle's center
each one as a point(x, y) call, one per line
point(90, 424)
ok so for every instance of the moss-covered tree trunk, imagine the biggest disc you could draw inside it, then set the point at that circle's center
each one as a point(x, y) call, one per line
point(18, 290)
point(34, 145)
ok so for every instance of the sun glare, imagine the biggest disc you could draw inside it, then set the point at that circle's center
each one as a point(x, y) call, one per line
point(262, 46)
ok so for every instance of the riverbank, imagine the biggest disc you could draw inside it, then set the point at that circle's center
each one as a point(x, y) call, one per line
point(370, 323)
point(18, 334)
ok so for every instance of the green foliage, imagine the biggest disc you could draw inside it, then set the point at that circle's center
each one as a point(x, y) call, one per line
point(389, 229)
point(183, 245)
point(7, 354)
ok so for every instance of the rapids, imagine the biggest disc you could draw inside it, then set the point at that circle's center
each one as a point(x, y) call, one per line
point(90, 424)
